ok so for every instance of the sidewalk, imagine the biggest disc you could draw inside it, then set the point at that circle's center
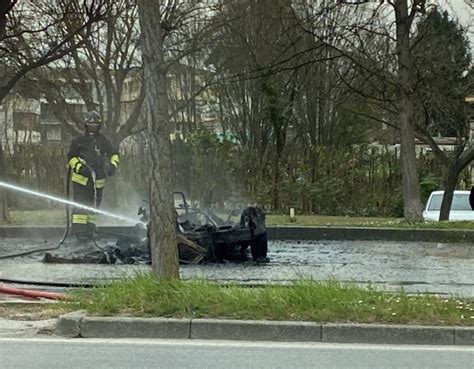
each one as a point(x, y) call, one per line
point(78, 324)
point(26, 328)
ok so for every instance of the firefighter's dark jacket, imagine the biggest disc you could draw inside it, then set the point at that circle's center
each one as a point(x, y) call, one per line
point(95, 152)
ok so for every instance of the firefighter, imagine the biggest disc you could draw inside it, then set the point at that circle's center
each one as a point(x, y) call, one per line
point(254, 219)
point(91, 158)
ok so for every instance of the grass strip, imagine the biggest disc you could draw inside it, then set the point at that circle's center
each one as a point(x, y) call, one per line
point(305, 300)
point(340, 221)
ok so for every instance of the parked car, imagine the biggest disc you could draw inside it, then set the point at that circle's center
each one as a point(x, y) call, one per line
point(460, 207)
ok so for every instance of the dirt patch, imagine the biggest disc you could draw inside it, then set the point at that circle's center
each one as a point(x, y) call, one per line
point(28, 312)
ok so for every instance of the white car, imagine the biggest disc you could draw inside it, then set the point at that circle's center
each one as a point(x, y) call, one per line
point(460, 207)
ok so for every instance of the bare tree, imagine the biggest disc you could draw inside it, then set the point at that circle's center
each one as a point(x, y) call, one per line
point(27, 43)
point(400, 80)
point(441, 89)
point(4, 214)
point(404, 17)
point(170, 31)
point(258, 91)
point(5, 8)
point(424, 89)
point(101, 72)
point(162, 213)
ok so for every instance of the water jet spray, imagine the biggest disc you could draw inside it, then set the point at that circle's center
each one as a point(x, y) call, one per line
point(66, 202)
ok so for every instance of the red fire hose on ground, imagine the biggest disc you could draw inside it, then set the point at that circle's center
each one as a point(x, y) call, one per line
point(33, 293)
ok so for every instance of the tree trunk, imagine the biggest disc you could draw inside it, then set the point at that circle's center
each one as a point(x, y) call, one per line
point(411, 185)
point(276, 184)
point(4, 214)
point(314, 162)
point(162, 213)
point(450, 182)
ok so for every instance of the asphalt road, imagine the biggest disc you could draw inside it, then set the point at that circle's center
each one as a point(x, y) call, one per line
point(443, 269)
point(172, 354)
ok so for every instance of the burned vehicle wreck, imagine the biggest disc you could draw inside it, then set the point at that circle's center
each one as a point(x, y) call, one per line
point(223, 240)
point(202, 236)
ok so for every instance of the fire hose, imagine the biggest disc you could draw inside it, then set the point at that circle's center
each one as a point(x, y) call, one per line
point(68, 223)
point(48, 283)
point(66, 232)
point(33, 293)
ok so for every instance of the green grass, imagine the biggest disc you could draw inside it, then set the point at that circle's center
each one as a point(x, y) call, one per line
point(340, 221)
point(48, 217)
point(306, 300)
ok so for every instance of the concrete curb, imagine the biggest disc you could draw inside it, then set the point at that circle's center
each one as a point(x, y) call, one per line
point(95, 327)
point(255, 330)
point(77, 324)
point(69, 325)
point(389, 334)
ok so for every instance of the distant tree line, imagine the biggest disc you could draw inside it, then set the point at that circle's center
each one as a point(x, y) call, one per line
point(301, 91)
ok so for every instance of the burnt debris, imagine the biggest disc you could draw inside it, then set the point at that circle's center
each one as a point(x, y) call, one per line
point(202, 236)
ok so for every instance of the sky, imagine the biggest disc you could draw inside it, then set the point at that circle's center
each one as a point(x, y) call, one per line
point(463, 12)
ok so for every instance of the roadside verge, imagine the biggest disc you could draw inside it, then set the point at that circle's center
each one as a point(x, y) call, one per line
point(78, 324)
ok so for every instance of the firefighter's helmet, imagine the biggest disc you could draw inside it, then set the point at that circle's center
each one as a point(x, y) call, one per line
point(93, 123)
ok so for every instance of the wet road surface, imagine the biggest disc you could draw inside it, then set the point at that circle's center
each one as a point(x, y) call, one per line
point(417, 267)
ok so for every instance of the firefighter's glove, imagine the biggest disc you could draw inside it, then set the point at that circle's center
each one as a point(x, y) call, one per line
point(85, 171)
point(110, 170)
